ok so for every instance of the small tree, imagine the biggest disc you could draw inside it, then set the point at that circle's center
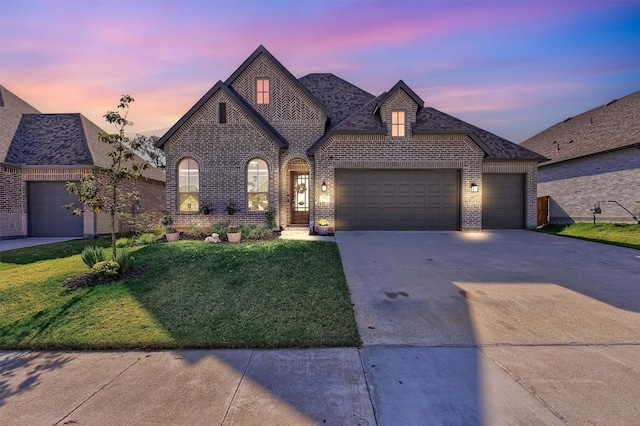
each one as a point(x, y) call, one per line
point(150, 151)
point(104, 191)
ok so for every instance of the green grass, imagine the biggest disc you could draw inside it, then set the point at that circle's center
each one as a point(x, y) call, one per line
point(621, 234)
point(268, 294)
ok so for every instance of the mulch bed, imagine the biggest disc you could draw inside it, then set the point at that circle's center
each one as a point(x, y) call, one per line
point(89, 279)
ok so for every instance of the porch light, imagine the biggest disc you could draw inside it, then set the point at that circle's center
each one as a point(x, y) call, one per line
point(474, 187)
point(324, 187)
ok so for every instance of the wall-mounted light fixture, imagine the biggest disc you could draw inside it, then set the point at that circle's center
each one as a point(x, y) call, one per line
point(323, 187)
point(474, 187)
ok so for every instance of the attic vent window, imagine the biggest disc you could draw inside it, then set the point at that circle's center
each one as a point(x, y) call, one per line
point(262, 91)
point(397, 124)
point(222, 112)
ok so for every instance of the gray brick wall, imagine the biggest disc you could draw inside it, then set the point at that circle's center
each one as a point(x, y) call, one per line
point(223, 152)
point(575, 186)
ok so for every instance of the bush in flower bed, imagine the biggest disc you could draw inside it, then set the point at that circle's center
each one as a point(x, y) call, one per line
point(249, 232)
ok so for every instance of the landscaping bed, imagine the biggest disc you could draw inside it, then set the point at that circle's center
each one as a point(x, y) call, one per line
point(267, 294)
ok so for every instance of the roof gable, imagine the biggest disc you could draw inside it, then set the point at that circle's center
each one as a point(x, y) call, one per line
point(261, 50)
point(11, 112)
point(400, 85)
point(613, 126)
point(259, 120)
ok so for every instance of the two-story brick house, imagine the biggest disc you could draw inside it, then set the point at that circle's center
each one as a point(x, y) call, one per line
point(320, 147)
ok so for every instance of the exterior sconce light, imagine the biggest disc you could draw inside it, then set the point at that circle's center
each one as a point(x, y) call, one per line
point(474, 187)
point(324, 187)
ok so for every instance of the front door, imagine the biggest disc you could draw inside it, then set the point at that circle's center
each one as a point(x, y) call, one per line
point(299, 198)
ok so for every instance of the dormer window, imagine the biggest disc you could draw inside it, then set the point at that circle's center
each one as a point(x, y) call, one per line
point(397, 124)
point(262, 91)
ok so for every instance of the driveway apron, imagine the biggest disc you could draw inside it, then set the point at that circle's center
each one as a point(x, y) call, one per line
point(497, 327)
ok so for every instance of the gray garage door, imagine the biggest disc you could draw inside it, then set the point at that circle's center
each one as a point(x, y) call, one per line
point(502, 201)
point(397, 199)
point(47, 217)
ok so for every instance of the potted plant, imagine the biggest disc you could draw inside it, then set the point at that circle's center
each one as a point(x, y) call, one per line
point(171, 233)
point(231, 208)
point(208, 208)
point(323, 227)
point(234, 234)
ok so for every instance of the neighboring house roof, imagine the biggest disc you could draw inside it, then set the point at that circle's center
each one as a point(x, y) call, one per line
point(261, 50)
point(609, 127)
point(50, 140)
point(63, 140)
point(399, 85)
point(11, 110)
point(339, 96)
point(264, 124)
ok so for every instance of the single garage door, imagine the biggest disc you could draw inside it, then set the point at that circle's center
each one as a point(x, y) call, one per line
point(47, 216)
point(397, 199)
point(503, 201)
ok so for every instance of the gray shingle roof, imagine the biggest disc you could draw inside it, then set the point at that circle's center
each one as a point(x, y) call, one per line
point(50, 140)
point(63, 140)
point(10, 115)
point(430, 120)
point(605, 128)
point(339, 96)
point(262, 123)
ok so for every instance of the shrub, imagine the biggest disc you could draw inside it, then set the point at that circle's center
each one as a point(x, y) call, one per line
point(270, 216)
point(106, 269)
point(124, 242)
point(146, 239)
point(125, 260)
point(196, 232)
point(219, 228)
point(91, 255)
point(256, 232)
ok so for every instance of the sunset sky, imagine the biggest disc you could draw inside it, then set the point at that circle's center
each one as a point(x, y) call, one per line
point(511, 67)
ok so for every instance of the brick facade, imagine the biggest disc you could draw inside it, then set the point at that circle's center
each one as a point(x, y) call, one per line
point(575, 186)
point(13, 201)
point(223, 150)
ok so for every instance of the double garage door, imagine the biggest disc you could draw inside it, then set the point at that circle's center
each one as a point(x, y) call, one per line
point(397, 199)
point(421, 200)
point(47, 216)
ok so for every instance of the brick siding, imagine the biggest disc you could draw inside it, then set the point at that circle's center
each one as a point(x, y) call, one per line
point(576, 185)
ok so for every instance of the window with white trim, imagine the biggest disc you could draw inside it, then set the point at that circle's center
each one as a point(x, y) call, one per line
point(188, 186)
point(397, 123)
point(257, 185)
point(262, 91)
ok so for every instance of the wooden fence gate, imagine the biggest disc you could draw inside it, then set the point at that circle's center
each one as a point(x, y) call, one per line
point(543, 210)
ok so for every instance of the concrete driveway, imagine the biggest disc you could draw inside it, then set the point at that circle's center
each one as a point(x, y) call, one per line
point(510, 327)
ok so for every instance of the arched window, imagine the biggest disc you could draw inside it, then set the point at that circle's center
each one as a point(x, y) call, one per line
point(257, 185)
point(188, 186)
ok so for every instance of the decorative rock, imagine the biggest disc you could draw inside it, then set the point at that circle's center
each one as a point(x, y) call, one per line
point(214, 238)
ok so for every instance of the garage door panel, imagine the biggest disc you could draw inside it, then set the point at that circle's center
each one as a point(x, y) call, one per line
point(397, 199)
point(47, 215)
point(503, 201)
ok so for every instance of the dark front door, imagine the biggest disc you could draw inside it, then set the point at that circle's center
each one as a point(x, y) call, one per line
point(299, 198)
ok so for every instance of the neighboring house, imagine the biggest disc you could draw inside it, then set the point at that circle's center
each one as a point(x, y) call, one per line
point(320, 147)
point(39, 154)
point(594, 159)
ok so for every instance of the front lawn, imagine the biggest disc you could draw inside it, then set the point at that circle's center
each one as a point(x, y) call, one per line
point(621, 234)
point(269, 294)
